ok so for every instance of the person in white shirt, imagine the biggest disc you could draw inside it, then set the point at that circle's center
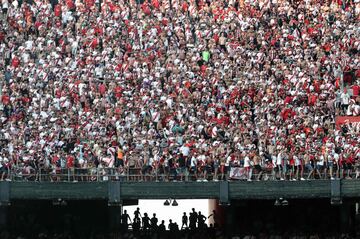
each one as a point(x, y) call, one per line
point(248, 167)
point(336, 157)
point(201, 163)
point(330, 161)
point(193, 165)
point(5, 6)
point(185, 150)
point(298, 167)
point(320, 164)
point(345, 100)
point(353, 109)
point(273, 161)
point(279, 163)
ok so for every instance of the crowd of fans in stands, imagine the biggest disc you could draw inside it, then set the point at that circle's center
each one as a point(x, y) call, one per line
point(177, 87)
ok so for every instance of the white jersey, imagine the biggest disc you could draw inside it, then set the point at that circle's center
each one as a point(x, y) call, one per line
point(297, 160)
point(330, 158)
point(279, 159)
point(185, 150)
point(345, 98)
point(273, 159)
point(247, 162)
point(321, 161)
point(193, 161)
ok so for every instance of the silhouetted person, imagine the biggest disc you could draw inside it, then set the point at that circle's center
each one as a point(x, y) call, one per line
point(201, 220)
point(137, 220)
point(212, 229)
point(162, 227)
point(146, 222)
point(137, 213)
point(192, 219)
point(124, 220)
point(154, 222)
point(173, 226)
point(136, 223)
point(184, 221)
point(215, 218)
point(170, 224)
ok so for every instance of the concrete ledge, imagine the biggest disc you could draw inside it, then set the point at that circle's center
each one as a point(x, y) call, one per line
point(182, 190)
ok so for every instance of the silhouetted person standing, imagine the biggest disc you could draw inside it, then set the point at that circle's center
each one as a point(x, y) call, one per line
point(154, 222)
point(124, 220)
point(136, 223)
point(137, 213)
point(201, 220)
point(162, 227)
point(145, 222)
point(171, 226)
point(137, 220)
point(192, 219)
point(215, 218)
point(184, 221)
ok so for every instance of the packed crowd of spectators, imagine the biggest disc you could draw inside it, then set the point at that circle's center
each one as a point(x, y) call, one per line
point(193, 86)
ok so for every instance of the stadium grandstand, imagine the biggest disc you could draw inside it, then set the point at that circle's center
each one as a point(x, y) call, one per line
point(207, 88)
point(180, 90)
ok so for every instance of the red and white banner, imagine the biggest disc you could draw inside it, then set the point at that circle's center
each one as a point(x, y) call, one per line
point(353, 120)
point(238, 173)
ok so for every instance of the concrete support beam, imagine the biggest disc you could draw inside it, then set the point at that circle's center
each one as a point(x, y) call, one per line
point(336, 192)
point(224, 193)
point(114, 193)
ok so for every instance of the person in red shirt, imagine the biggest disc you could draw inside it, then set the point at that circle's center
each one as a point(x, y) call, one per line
point(70, 161)
point(156, 4)
point(356, 90)
point(349, 164)
point(70, 4)
point(15, 62)
point(5, 99)
point(185, 6)
point(70, 165)
point(57, 10)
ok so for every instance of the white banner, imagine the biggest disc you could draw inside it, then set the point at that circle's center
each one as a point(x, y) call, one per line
point(238, 173)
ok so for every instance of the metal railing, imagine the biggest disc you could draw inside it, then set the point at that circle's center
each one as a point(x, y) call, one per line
point(163, 175)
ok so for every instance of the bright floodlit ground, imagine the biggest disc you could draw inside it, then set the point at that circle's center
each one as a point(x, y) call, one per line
point(169, 212)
